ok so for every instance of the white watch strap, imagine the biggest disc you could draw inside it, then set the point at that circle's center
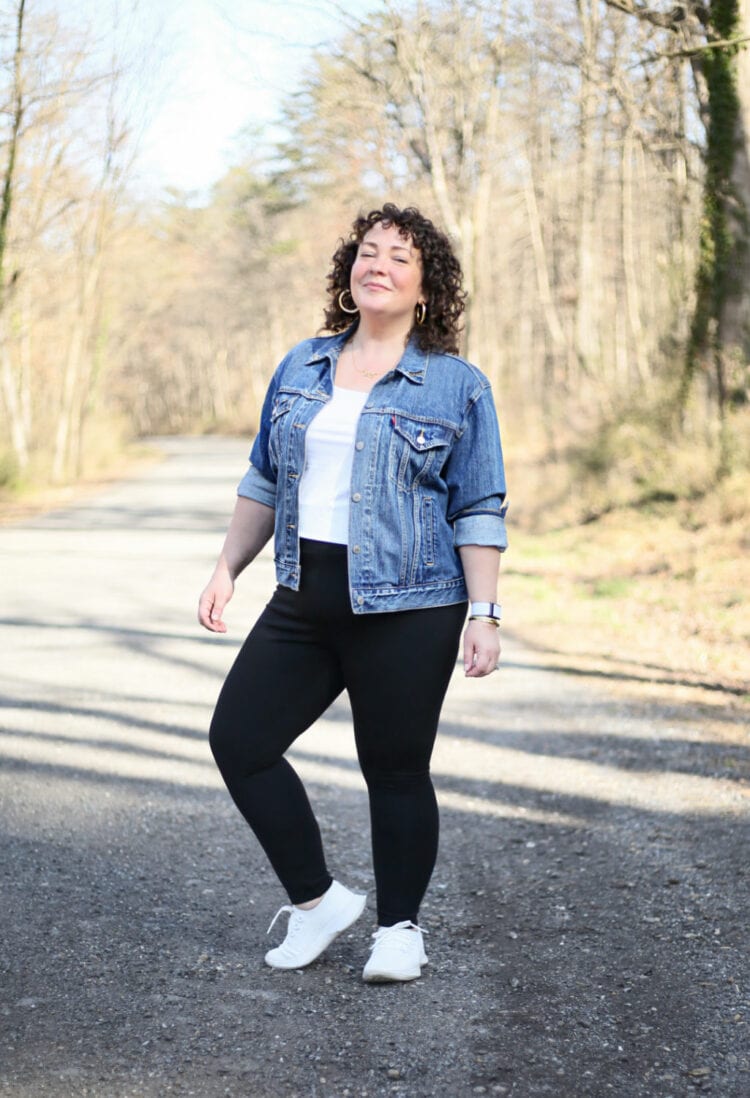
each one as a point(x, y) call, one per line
point(486, 610)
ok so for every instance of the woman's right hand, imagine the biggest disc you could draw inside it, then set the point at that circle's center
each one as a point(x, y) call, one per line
point(214, 598)
point(251, 527)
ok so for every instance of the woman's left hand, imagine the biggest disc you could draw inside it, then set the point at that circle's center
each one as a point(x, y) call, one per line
point(481, 649)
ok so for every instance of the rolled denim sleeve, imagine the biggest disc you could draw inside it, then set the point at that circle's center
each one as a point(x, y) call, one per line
point(255, 486)
point(475, 475)
point(259, 482)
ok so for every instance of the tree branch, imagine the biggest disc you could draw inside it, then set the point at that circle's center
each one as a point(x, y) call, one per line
point(666, 20)
point(690, 51)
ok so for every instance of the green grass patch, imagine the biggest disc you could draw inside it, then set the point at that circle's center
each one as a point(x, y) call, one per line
point(611, 587)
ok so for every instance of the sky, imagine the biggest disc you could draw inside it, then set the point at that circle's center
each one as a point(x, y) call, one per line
point(206, 70)
point(201, 71)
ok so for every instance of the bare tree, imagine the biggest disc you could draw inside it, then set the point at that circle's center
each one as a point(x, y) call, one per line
point(713, 39)
point(66, 150)
point(431, 75)
point(93, 224)
point(16, 399)
point(588, 313)
point(555, 141)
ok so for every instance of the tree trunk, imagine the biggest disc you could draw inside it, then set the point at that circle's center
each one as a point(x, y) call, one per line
point(66, 412)
point(554, 327)
point(734, 321)
point(630, 261)
point(14, 406)
point(13, 403)
point(719, 342)
point(16, 112)
point(587, 335)
point(77, 371)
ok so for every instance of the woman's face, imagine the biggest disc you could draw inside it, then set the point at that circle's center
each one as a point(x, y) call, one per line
point(386, 278)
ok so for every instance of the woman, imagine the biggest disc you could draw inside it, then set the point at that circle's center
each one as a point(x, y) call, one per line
point(378, 470)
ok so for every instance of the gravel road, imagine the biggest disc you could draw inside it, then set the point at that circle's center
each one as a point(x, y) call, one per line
point(587, 920)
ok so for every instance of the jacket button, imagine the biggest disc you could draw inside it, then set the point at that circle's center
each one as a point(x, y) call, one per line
point(356, 497)
point(360, 600)
point(356, 549)
point(360, 446)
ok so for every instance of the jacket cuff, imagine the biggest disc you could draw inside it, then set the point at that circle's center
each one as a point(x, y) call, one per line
point(254, 486)
point(480, 530)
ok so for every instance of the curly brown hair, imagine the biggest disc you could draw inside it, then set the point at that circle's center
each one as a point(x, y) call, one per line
point(441, 276)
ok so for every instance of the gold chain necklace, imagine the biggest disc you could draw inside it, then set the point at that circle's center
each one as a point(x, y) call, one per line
point(370, 374)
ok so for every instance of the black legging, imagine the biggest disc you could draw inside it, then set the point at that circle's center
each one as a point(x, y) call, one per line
point(306, 647)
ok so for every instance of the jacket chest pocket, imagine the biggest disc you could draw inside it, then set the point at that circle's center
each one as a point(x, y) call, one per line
point(416, 451)
point(279, 427)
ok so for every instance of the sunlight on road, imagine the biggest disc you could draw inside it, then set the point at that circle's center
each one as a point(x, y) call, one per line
point(108, 679)
point(325, 755)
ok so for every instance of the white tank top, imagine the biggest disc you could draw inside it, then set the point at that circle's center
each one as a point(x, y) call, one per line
point(329, 454)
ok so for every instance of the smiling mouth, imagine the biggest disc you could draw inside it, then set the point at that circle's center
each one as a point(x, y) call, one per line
point(374, 286)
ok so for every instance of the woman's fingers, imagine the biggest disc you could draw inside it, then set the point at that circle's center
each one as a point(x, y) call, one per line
point(214, 618)
point(208, 613)
point(211, 606)
point(481, 651)
point(481, 665)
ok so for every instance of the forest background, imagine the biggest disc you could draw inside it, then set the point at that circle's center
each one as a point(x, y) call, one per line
point(591, 161)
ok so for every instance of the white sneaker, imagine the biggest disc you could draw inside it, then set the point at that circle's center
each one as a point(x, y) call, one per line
point(397, 954)
point(310, 932)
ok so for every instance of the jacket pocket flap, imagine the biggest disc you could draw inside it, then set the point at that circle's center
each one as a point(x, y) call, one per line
point(282, 405)
point(423, 436)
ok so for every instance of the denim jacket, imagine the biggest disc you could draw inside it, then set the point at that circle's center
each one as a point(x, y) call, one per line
point(427, 476)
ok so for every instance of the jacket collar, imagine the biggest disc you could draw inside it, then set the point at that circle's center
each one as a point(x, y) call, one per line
point(413, 363)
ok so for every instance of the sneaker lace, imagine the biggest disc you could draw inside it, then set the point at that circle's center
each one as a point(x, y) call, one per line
point(282, 910)
point(384, 931)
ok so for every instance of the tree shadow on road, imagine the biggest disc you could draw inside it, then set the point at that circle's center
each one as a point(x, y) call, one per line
point(605, 957)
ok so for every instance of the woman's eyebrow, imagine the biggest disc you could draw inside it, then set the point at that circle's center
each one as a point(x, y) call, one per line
point(392, 247)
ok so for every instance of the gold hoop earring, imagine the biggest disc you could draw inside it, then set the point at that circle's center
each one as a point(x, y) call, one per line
point(420, 312)
point(343, 307)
